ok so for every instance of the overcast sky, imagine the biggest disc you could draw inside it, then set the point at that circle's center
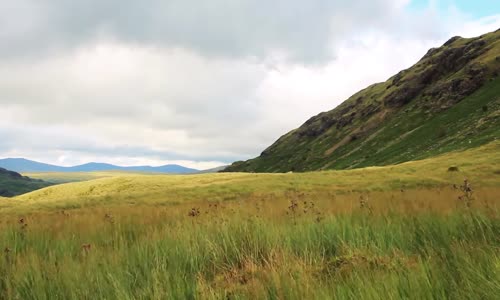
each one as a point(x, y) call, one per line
point(199, 82)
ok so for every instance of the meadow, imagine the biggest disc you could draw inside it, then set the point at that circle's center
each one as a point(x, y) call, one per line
point(416, 230)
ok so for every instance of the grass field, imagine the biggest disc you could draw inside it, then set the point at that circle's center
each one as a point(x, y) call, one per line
point(65, 177)
point(392, 232)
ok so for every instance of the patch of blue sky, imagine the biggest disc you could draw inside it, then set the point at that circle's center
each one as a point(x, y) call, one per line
point(472, 8)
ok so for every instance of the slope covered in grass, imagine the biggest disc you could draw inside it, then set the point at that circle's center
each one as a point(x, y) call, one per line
point(13, 184)
point(65, 177)
point(449, 100)
point(481, 165)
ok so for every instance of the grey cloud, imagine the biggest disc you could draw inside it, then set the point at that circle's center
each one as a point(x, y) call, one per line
point(224, 28)
point(164, 91)
point(34, 140)
point(195, 108)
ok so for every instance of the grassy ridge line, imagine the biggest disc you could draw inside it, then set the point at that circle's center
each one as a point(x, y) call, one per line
point(66, 177)
point(481, 164)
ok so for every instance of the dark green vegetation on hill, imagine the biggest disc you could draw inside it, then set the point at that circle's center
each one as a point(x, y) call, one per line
point(449, 100)
point(13, 184)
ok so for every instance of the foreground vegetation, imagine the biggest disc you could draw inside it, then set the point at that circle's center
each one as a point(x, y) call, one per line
point(415, 230)
point(154, 253)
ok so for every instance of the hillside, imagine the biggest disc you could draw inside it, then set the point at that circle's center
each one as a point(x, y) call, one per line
point(480, 164)
point(13, 184)
point(25, 165)
point(449, 100)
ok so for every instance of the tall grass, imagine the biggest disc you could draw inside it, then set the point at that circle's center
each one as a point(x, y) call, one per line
point(251, 250)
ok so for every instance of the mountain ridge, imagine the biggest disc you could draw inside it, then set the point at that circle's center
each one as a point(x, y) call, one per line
point(25, 165)
point(449, 100)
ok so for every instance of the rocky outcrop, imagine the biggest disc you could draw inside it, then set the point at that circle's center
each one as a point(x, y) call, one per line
point(436, 65)
point(449, 92)
point(317, 125)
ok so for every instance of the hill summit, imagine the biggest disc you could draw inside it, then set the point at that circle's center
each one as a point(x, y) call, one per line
point(449, 100)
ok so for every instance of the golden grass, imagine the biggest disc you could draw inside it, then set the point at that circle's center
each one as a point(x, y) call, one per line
point(481, 165)
point(65, 177)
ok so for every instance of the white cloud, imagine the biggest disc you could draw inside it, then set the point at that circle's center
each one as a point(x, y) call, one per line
point(477, 27)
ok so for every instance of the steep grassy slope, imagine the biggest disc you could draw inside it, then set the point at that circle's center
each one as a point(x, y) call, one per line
point(449, 100)
point(12, 183)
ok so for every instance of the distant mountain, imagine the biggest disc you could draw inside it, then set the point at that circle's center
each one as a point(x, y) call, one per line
point(449, 100)
point(23, 165)
point(13, 184)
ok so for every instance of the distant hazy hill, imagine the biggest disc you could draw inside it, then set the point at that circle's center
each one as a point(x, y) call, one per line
point(449, 100)
point(13, 184)
point(24, 165)
point(212, 170)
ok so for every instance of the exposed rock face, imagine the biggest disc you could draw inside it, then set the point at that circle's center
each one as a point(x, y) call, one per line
point(403, 95)
point(317, 125)
point(438, 64)
point(451, 91)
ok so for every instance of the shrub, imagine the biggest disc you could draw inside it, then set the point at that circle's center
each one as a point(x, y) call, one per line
point(441, 132)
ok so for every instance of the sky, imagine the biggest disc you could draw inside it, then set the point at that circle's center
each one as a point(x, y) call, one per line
point(200, 83)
